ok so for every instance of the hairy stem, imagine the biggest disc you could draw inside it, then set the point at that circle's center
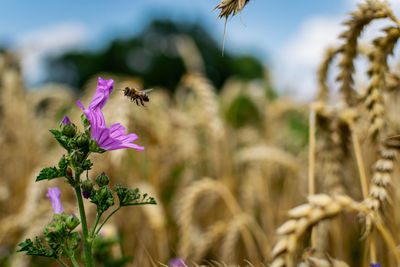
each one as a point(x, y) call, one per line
point(311, 168)
point(87, 244)
point(62, 263)
point(106, 219)
point(92, 233)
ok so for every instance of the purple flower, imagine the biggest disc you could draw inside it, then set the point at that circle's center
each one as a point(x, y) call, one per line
point(66, 120)
point(108, 138)
point(54, 195)
point(376, 264)
point(86, 194)
point(177, 262)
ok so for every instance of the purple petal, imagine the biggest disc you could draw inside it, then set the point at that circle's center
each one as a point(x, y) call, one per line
point(104, 88)
point(54, 195)
point(377, 264)
point(86, 194)
point(66, 120)
point(177, 262)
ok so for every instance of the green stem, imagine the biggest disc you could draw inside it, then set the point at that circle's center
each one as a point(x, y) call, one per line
point(74, 261)
point(87, 244)
point(62, 263)
point(108, 217)
point(71, 257)
point(95, 225)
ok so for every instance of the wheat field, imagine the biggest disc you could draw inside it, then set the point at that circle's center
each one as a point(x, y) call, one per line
point(292, 184)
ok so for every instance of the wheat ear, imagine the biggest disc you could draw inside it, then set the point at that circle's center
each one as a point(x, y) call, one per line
point(368, 11)
point(318, 208)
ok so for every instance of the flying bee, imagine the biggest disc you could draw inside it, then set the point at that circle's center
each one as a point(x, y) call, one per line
point(135, 95)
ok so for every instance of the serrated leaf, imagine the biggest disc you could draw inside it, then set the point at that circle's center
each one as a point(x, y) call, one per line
point(129, 197)
point(62, 163)
point(50, 173)
point(62, 140)
point(36, 249)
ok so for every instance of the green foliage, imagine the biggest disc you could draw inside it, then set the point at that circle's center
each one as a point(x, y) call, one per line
point(36, 249)
point(102, 251)
point(60, 239)
point(103, 198)
point(152, 55)
point(53, 172)
point(297, 126)
point(61, 139)
point(59, 235)
point(129, 197)
point(243, 111)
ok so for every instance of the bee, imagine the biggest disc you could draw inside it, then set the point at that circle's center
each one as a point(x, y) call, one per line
point(135, 95)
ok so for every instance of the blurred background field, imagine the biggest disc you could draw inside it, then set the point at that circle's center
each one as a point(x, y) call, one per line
point(226, 137)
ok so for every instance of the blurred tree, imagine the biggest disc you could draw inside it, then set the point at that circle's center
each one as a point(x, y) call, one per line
point(153, 56)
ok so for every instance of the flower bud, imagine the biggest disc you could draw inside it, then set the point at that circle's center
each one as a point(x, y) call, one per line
point(72, 222)
point(76, 158)
point(87, 187)
point(102, 179)
point(68, 129)
point(82, 140)
point(93, 145)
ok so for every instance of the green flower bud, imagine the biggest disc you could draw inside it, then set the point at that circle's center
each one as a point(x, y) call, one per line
point(102, 179)
point(87, 187)
point(69, 129)
point(76, 158)
point(93, 145)
point(82, 140)
point(72, 222)
point(85, 121)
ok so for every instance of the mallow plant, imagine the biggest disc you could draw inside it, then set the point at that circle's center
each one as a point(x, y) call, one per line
point(61, 239)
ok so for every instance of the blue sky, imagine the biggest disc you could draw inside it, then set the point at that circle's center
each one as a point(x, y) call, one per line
point(288, 35)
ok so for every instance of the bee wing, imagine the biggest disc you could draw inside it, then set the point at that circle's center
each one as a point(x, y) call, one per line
point(147, 90)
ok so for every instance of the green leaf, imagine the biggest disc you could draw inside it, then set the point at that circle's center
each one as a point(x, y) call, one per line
point(36, 249)
point(47, 173)
point(61, 139)
point(52, 172)
point(129, 197)
point(62, 163)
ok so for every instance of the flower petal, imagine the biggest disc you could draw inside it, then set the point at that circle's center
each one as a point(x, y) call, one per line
point(54, 195)
point(104, 88)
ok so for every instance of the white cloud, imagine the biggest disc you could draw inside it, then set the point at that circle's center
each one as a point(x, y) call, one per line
point(49, 41)
point(297, 63)
point(298, 60)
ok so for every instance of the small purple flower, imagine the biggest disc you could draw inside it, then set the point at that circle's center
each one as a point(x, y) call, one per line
point(108, 138)
point(376, 264)
point(86, 194)
point(54, 195)
point(177, 262)
point(66, 120)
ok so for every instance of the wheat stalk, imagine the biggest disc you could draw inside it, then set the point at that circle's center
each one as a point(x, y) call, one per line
point(185, 214)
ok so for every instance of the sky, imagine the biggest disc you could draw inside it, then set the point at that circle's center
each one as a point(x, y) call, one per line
point(288, 36)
